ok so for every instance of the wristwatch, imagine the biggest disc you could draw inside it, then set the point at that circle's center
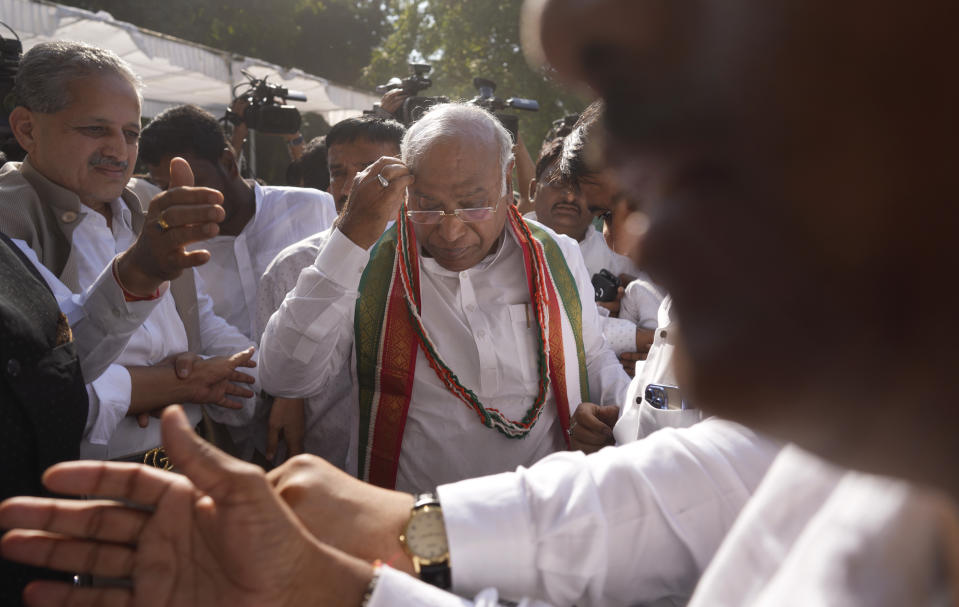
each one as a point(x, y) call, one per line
point(424, 539)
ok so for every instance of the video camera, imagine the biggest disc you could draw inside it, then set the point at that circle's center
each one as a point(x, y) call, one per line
point(10, 52)
point(413, 106)
point(486, 99)
point(267, 111)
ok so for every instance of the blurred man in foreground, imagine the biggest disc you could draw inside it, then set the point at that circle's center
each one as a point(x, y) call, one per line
point(810, 185)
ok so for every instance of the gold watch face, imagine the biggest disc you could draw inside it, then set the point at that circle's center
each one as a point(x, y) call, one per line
point(426, 535)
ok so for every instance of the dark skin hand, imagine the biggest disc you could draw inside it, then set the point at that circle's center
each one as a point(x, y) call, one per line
point(591, 427)
point(215, 535)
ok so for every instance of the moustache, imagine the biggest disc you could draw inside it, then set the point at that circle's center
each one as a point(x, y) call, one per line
point(111, 163)
point(569, 205)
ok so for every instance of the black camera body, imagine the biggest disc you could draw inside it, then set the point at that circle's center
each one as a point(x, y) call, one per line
point(414, 106)
point(488, 100)
point(267, 111)
point(605, 285)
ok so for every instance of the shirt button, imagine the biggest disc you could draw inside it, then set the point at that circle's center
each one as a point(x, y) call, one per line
point(13, 367)
point(662, 334)
point(481, 334)
point(463, 275)
point(470, 308)
point(68, 217)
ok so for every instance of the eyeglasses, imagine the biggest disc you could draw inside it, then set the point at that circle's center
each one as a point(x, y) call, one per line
point(469, 215)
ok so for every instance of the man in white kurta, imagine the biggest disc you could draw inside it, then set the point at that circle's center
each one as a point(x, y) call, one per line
point(111, 432)
point(261, 220)
point(478, 315)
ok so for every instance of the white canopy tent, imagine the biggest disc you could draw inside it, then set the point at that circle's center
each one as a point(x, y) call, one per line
point(175, 71)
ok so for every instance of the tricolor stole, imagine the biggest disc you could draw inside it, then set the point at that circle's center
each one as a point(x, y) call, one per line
point(386, 342)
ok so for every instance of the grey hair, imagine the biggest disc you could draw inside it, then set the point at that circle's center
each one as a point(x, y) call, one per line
point(48, 68)
point(448, 120)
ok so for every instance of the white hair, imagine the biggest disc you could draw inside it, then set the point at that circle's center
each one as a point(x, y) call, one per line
point(448, 120)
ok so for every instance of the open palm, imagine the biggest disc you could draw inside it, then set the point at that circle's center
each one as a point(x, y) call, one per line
point(218, 535)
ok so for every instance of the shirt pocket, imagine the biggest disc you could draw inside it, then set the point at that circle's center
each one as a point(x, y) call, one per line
point(523, 361)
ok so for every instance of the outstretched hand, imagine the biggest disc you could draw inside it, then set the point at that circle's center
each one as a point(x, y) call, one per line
point(218, 535)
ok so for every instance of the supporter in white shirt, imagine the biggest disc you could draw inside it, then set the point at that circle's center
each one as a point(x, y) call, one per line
point(320, 424)
point(561, 206)
point(475, 307)
point(112, 433)
point(260, 220)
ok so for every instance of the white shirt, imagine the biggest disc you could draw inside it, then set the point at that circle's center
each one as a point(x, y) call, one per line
point(599, 256)
point(815, 534)
point(110, 433)
point(641, 302)
point(101, 319)
point(282, 216)
point(637, 525)
point(330, 426)
point(620, 332)
point(478, 321)
point(637, 417)
point(625, 526)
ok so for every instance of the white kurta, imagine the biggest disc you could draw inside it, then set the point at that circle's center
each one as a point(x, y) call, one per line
point(636, 525)
point(629, 525)
point(599, 256)
point(110, 433)
point(478, 321)
point(637, 417)
point(330, 424)
point(282, 216)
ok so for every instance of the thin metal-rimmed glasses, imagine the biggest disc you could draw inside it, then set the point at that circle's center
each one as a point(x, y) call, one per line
point(466, 215)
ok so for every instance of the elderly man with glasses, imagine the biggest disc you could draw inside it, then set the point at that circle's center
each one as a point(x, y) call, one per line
point(471, 333)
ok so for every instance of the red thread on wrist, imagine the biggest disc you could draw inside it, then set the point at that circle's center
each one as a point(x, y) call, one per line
point(127, 295)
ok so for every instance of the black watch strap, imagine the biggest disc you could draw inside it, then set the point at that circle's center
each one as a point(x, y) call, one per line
point(437, 575)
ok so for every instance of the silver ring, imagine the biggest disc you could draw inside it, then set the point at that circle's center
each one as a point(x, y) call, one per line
point(383, 180)
point(569, 432)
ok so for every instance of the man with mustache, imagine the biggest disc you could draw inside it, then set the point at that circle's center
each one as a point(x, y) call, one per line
point(354, 144)
point(78, 118)
point(807, 147)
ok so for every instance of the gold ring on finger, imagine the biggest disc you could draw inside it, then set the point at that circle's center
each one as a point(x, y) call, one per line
point(164, 226)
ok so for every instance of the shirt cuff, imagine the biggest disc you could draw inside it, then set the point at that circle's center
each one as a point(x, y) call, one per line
point(342, 261)
point(110, 396)
point(620, 334)
point(395, 588)
point(490, 536)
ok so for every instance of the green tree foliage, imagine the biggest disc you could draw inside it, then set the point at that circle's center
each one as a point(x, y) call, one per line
point(463, 40)
point(330, 38)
